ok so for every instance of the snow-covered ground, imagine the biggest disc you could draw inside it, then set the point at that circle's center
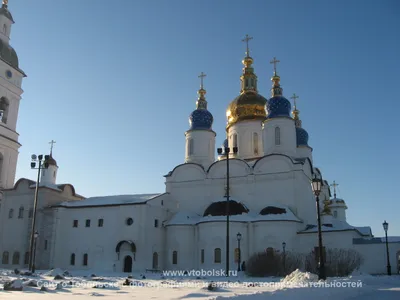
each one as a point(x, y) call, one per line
point(298, 285)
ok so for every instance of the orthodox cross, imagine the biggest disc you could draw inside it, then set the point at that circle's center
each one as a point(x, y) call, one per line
point(294, 97)
point(274, 61)
point(246, 40)
point(334, 184)
point(201, 76)
point(52, 145)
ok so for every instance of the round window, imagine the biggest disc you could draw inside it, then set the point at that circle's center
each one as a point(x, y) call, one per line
point(129, 221)
point(8, 74)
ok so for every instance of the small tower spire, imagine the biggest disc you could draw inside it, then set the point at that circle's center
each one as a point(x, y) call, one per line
point(248, 78)
point(295, 112)
point(276, 87)
point(334, 185)
point(201, 102)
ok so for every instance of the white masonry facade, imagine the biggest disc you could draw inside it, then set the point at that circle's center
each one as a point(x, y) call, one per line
point(271, 198)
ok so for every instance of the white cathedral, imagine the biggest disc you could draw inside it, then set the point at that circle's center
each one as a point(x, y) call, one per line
point(271, 199)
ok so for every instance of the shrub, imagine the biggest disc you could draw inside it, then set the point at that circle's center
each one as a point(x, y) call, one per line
point(271, 263)
point(338, 262)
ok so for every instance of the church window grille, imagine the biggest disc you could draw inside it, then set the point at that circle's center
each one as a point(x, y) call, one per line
point(26, 258)
point(202, 256)
point(3, 109)
point(335, 214)
point(21, 212)
point(11, 213)
point(217, 255)
point(255, 143)
point(45, 244)
point(235, 140)
point(129, 221)
point(175, 257)
point(75, 223)
point(85, 259)
point(72, 259)
point(87, 223)
point(191, 147)
point(101, 222)
point(156, 223)
point(4, 259)
point(277, 136)
point(30, 214)
point(15, 259)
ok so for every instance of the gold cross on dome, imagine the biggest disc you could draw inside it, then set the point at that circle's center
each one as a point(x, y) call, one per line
point(5, 2)
point(274, 61)
point(334, 185)
point(246, 40)
point(52, 145)
point(201, 76)
point(294, 97)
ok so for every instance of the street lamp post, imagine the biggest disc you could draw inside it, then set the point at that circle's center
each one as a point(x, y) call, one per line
point(284, 257)
point(239, 237)
point(316, 185)
point(227, 151)
point(41, 164)
point(386, 227)
point(36, 234)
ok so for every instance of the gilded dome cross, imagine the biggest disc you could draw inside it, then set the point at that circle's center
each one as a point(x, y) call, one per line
point(5, 2)
point(294, 97)
point(51, 146)
point(274, 61)
point(201, 76)
point(246, 40)
point(334, 185)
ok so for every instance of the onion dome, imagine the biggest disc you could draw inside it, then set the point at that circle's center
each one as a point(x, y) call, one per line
point(301, 133)
point(277, 106)
point(201, 118)
point(249, 105)
point(51, 161)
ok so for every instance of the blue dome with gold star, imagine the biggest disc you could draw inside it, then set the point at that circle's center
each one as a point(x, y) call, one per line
point(301, 137)
point(201, 119)
point(278, 106)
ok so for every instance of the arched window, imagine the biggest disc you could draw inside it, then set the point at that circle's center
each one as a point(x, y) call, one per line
point(26, 258)
point(10, 213)
point(3, 109)
point(4, 28)
point(277, 136)
point(85, 259)
point(72, 259)
point(21, 212)
point(335, 214)
point(1, 165)
point(202, 256)
point(255, 143)
point(30, 214)
point(190, 147)
point(155, 260)
point(217, 255)
point(15, 260)
point(235, 140)
point(175, 257)
point(4, 260)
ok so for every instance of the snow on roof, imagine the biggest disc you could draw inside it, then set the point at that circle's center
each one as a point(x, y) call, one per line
point(340, 226)
point(110, 200)
point(187, 218)
point(47, 185)
point(376, 240)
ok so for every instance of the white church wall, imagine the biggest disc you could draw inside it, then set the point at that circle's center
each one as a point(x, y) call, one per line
point(245, 130)
point(286, 143)
point(200, 147)
point(375, 257)
point(181, 239)
point(304, 151)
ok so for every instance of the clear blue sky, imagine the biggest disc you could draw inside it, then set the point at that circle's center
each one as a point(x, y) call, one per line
point(113, 82)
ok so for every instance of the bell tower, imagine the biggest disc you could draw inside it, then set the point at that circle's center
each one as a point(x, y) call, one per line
point(10, 95)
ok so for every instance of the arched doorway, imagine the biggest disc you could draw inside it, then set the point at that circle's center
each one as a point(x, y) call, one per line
point(128, 264)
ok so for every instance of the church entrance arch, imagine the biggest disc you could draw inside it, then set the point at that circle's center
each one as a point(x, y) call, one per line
point(128, 264)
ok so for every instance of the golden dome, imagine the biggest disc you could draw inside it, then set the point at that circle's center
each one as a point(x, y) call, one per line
point(247, 106)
